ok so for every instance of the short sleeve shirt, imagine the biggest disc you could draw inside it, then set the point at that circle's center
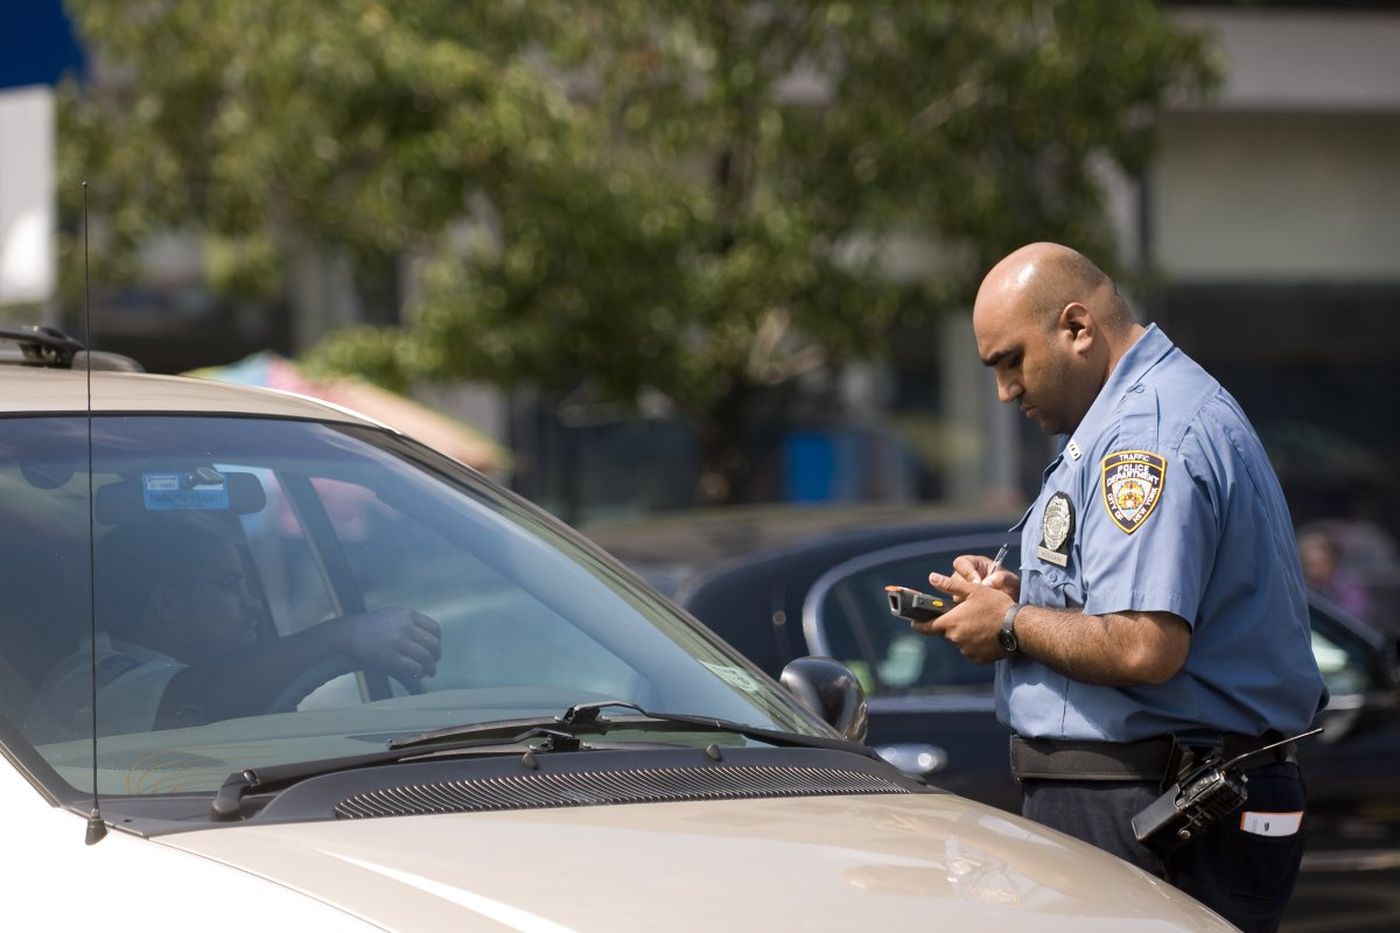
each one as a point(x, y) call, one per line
point(1163, 500)
point(131, 682)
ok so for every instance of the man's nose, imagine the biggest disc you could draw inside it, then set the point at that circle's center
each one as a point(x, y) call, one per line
point(1008, 390)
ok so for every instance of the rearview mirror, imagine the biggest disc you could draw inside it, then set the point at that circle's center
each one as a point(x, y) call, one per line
point(179, 488)
point(829, 690)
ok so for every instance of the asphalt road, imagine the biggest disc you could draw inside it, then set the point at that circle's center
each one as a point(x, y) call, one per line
point(1345, 902)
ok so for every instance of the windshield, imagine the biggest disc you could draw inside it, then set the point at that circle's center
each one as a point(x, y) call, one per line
point(270, 591)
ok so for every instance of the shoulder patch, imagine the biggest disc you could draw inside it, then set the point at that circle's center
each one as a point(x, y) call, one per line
point(1132, 486)
point(114, 666)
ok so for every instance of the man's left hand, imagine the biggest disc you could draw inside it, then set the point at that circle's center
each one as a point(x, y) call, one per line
point(974, 623)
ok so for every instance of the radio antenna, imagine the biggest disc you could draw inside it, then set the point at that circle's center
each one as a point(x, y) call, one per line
point(96, 826)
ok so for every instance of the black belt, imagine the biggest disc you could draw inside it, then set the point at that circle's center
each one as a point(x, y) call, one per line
point(1146, 760)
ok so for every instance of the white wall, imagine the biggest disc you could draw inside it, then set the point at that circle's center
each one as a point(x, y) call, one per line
point(1292, 171)
point(1305, 60)
point(1278, 197)
point(26, 195)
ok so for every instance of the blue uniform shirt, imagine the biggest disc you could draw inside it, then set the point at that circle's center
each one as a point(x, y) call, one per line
point(1164, 500)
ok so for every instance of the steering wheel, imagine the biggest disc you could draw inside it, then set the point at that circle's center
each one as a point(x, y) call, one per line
point(332, 665)
point(327, 668)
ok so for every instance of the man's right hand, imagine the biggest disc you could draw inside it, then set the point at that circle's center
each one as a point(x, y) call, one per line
point(974, 568)
point(401, 642)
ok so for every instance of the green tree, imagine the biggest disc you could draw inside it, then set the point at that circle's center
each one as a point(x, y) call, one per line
point(686, 197)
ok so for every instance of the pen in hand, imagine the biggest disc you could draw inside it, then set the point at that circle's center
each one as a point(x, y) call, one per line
point(996, 565)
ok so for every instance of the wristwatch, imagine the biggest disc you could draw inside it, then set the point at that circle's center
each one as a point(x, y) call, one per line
point(1007, 636)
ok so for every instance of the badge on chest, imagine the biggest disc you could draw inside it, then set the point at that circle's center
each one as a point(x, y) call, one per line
point(1057, 530)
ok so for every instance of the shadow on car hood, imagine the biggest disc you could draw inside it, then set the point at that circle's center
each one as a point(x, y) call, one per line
point(810, 862)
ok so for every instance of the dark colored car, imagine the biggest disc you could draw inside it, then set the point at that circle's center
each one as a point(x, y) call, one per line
point(779, 583)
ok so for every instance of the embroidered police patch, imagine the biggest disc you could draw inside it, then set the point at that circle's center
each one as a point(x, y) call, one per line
point(114, 666)
point(1132, 486)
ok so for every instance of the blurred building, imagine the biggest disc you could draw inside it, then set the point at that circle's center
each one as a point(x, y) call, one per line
point(1271, 221)
point(1263, 240)
point(171, 322)
point(36, 47)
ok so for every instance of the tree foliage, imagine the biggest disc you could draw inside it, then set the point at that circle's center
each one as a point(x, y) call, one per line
point(687, 198)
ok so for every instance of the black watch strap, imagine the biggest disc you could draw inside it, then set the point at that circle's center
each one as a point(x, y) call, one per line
point(1007, 636)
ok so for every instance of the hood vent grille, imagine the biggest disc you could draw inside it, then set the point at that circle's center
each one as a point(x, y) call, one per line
point(653, 785)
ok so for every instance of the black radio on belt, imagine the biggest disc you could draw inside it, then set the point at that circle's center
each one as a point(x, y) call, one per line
point(1196, 801)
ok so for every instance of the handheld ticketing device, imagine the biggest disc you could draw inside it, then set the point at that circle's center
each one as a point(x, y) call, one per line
point(913, 605)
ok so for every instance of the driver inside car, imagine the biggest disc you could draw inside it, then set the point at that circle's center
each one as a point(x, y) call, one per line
point(181, 642)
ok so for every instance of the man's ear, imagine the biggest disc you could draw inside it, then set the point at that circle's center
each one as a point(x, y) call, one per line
point(1077, 322)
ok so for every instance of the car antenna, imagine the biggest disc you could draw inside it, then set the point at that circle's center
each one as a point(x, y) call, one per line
point(96, 826)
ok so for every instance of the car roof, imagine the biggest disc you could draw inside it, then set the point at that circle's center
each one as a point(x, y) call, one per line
point(702, 538)
point(35, 390)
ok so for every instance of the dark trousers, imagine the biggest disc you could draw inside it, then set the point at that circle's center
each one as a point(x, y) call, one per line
point(1244, 877)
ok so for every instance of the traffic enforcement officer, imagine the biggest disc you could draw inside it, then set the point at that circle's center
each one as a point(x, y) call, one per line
point(1160, 603)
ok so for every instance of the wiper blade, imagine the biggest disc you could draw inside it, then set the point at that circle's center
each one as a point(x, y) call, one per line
point(497, 728)
point(588, 719)
point(228, 802)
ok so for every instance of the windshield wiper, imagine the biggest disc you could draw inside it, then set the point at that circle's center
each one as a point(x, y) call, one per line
point(228, 802)
point(559, 734)
point(588, 718)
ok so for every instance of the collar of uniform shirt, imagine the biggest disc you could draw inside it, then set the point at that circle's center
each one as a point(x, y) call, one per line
point(1140, 357)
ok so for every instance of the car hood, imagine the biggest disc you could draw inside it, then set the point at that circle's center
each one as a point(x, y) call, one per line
point(850, 862)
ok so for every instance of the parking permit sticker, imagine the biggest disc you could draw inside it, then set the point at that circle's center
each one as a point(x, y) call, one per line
point(166, 492)
point(733, 676)
point(1271, 824)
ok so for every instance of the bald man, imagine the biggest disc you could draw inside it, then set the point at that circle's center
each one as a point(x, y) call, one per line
point(1159, 612)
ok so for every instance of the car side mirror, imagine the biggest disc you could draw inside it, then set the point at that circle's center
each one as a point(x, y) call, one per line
point(828, 689)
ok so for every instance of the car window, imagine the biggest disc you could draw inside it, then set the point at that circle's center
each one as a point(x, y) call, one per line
point(218, 539)
point(853, 615)
point(44, 570)
point(494, 632)
point(293, 584)
point(1343, 656)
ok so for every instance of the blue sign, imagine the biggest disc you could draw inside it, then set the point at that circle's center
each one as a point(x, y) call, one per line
point(37, 44)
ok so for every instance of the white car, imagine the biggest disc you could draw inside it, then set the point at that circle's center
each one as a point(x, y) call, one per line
point(343, 682)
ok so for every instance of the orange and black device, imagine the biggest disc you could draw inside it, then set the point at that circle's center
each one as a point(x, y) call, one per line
point(913, 605)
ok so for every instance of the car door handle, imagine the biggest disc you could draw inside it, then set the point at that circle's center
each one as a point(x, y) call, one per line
point(915, 758)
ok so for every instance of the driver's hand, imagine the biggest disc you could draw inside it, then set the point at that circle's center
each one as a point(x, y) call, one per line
point(401, 642)
point(973, 568)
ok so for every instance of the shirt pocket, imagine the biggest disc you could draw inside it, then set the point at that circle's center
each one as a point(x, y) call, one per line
point(1051, 588)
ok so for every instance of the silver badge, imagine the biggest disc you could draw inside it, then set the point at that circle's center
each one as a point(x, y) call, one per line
point(1056, 528)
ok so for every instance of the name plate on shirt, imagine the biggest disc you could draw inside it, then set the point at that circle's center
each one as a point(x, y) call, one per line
point(1053, 557)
